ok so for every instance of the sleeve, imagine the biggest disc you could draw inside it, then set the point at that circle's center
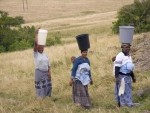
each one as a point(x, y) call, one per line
point(49, 64)
point(119, 59)
point(118, 64)
point(35, 54)
point(74, 69)
point(90, 70)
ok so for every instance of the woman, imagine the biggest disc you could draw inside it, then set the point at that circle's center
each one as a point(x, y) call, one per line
point(80, 78)
point(124, 75)
point(42, 71)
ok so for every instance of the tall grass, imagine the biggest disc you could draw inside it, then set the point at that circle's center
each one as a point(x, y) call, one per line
point(17, 93)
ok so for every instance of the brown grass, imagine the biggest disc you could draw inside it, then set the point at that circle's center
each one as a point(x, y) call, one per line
point(39, 10)
point(17, 93)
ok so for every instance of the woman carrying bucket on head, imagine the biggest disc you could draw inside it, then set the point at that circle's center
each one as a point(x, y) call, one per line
point(81, 74)
point(43, 84)
point(124, 69)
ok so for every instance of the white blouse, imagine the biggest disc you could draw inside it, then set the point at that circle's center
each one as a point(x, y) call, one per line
point(41, 61)
point(124, 62)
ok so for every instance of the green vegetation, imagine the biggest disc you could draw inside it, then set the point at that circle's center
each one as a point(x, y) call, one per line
point(13, 37)
point(17, 93)
point(137, 14)
point(54, 39)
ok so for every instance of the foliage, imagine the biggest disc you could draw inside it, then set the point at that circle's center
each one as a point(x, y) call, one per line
point(137, 14)
point(13, 37)
point(56, 39)
point(7, 22)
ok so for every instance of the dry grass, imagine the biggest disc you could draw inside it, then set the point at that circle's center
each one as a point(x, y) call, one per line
point(51, 9)
point(17, 79)
point(17, 93)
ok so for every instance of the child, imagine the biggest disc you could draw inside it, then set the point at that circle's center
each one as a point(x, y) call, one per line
point(132, 74)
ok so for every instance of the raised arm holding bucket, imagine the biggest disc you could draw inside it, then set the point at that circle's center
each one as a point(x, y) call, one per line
point(43, 84)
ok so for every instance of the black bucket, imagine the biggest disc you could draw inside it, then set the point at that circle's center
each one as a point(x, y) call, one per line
point(83, 41)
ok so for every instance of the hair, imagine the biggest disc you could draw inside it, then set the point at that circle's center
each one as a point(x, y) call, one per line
point(125, 44)
point(84, 50)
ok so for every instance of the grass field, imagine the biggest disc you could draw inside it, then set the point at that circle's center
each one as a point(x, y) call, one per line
point(17, 93)
point(38, 10)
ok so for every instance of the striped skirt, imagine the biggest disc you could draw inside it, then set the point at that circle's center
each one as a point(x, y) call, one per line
point(43, 85)
point(80, 94)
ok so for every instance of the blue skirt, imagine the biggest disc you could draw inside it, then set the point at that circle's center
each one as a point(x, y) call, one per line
point(126, 98)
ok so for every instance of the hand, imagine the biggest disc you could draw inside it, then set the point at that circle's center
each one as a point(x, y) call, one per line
point(71, 82)
point(49, 76)
point(91, 82)
point(134, 80)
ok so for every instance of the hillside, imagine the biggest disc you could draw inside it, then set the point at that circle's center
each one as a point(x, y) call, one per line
point(69, 18)
point(141, 50)
point(37, 10)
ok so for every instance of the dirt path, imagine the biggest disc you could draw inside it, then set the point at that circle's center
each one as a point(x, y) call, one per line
point(75, 21)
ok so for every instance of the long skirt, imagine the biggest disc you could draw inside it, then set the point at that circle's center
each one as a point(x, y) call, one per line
point(43, 85)
point(126, 98)
point(80, 94)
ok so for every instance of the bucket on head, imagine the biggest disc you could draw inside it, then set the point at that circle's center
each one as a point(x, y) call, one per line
point(42, 35)
point(126, 34)
point(83, 41)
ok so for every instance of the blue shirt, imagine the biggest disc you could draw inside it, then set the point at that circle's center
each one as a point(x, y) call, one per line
point(77, 62)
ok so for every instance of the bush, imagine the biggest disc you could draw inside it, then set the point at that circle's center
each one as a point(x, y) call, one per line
point(137, 14)
point(2, 49)
point(56, 39)
point(13, 37)
point(22, 45)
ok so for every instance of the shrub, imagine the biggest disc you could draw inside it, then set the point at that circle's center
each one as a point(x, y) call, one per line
point(22, 45)
point(137, 14)
point(2, 49)
point(12, 36)
point(56, 39)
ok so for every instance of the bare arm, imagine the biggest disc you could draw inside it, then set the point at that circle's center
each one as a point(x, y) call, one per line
point(49, 73)
point(35, 41)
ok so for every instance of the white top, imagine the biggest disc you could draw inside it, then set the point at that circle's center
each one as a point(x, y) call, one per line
point(82, 73)
point(41, 61)
point(124, 62)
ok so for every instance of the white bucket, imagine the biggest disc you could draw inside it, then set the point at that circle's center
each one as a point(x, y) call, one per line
point(126, 34)
point(42, 35)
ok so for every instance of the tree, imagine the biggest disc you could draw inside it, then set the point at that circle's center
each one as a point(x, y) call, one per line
point(12, 35)
point(137, 14)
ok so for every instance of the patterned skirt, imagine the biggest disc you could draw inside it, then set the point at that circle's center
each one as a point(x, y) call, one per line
point(43, 85)
point(80, 94)
point(126, 98)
